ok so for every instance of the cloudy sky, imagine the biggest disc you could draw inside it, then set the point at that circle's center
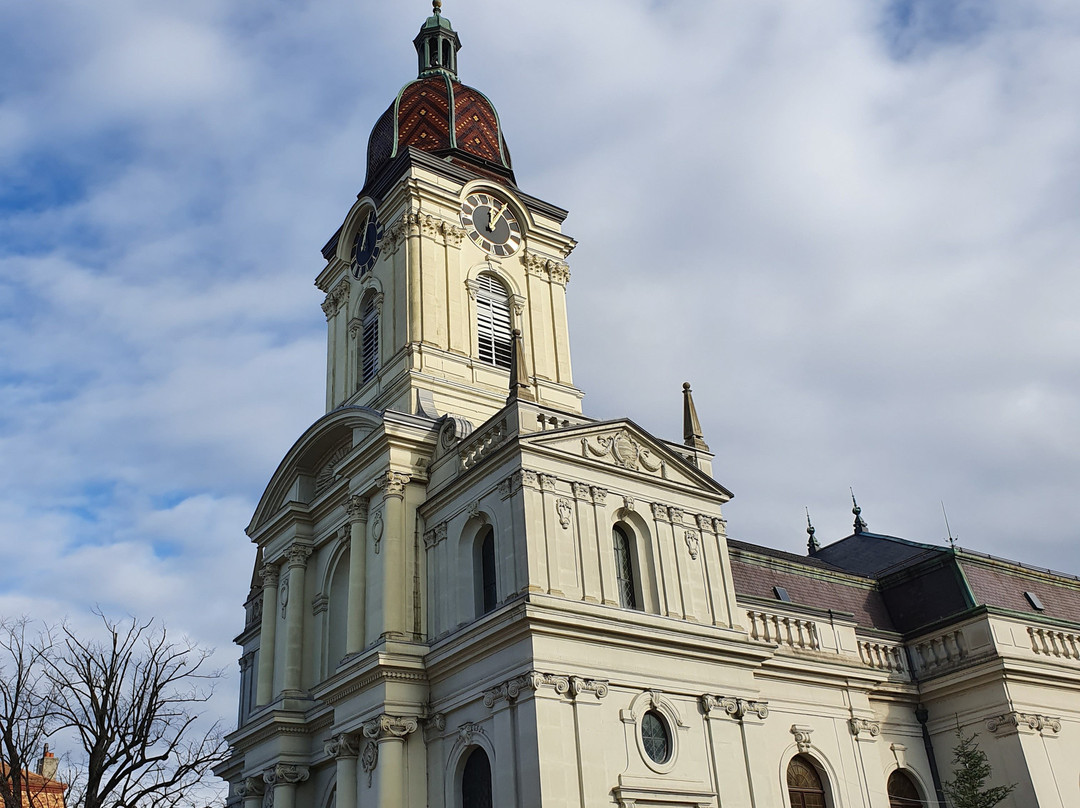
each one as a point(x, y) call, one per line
point(853, 225)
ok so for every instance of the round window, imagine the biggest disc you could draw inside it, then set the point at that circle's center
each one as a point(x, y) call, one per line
point(655, 738)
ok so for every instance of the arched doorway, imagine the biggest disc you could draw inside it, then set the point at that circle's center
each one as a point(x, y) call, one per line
point(804, 784)
point(476, 781)
point(902, 791)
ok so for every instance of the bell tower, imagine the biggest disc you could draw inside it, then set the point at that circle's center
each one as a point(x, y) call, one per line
point(442, 257)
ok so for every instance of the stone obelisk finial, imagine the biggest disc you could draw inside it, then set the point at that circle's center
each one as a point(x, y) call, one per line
point(692, 435)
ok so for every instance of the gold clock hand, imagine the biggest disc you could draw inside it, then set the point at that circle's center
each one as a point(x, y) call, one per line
point(363, 242)
point(494, 216)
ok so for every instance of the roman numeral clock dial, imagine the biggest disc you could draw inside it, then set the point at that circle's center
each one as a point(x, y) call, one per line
point(490, 224)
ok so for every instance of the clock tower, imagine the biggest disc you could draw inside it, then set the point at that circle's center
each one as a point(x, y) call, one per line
point(442, 257)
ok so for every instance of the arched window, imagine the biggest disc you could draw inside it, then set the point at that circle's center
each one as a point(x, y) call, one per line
point(493, 333)
point(369, 341)
point(476, 781)
point(487, 592)
point(624, 569)
point(902, 791)
point(804, 784)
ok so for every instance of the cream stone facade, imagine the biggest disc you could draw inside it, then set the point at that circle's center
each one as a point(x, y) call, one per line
point(467, 593)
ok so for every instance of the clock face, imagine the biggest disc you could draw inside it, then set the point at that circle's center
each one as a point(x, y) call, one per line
point(366, 247)
point(491, 224)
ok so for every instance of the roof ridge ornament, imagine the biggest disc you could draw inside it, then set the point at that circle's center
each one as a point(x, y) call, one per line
point(692, 433)
point(860, 523)
point(812, 544)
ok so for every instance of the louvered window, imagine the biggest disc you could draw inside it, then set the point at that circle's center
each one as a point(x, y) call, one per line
point(624, 569)
point(493, 322)
point(369, 343)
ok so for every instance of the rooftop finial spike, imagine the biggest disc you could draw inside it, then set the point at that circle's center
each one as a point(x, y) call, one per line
point(812, 544)
point(860, 523)
point(692, 435)
point(519, 374)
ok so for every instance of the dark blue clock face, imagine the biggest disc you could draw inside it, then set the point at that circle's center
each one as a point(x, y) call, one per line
point(366, 246)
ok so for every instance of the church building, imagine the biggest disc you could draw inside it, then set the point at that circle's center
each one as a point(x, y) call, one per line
point(467, 593)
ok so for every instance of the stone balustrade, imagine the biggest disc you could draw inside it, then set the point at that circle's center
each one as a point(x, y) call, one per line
point(1050, 642)
point(936, 653)
point(882, 656)
point(792, 632)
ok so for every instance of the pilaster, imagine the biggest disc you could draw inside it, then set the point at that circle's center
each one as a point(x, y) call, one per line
point(264, 692)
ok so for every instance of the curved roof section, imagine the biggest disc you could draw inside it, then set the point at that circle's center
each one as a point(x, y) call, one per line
point(440, 115)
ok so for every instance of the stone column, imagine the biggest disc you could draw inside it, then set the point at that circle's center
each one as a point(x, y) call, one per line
point(389, 732)
point(354, 623)
point(294, 617)
point(343, 748)
point(264, 692)
point(394, 573)
point(251, 792)
point(284, 778)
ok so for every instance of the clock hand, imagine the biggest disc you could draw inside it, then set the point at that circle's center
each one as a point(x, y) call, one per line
point(363, 243)
point(493, 217)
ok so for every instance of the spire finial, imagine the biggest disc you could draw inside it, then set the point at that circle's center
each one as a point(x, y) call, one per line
point(692, 434)
point(860, 523)
point(436, 6)
point(519, 374)
point(812, 544)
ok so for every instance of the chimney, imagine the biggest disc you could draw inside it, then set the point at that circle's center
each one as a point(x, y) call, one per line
point(48, 765)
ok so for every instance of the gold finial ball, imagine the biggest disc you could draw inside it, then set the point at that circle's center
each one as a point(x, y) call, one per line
point(436, 5)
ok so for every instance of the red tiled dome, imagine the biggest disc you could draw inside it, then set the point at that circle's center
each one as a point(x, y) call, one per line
point(441, 115)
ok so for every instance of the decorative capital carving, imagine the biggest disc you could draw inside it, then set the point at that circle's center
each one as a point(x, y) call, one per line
point(342, 746)
point(335, 299)
point(269, 574)
point(802, 737)
point(693, 544)
point(659, 512)
point(735, 707)
point(435, 536)
point(287, 773)
point(252, 787)
point(580, 685)
point(1017, 722)
point(393, 483)
point(861, 725)
point(581, 491)
point(357, 508)
point(547, 482)
point(298, 554)
point(676, 515)
point(390, 727)
point(599, 495)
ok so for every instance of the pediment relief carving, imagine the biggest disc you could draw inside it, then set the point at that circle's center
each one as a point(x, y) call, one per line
point(623, 450)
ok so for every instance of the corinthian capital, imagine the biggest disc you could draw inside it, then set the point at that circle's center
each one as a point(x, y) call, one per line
point(390, 726)
point(269, 574)
point(298, 554)
point(357, 508)
point(342, 746)
point(393, 483)
point(290, 773)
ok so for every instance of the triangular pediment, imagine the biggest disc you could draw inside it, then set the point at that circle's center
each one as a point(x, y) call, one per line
point(624, 445)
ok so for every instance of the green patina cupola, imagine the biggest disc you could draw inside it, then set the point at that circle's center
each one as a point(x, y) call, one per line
point(437, 45)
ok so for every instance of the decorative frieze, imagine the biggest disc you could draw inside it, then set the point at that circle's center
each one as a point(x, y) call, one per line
point(435, 536)
point(565, 511)
point(1016, 722)
point(693, 544)
point(377, 529)
point(802, 737)
point(734, 706)
point(859, 726)
point(624, 451)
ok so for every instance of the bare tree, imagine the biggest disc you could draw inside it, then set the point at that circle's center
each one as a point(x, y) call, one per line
point(133, 701)
point(26, 717)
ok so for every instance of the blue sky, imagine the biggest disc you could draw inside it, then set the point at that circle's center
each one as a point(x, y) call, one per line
point(853, 226)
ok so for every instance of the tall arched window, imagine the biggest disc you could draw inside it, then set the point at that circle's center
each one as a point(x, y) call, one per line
point(804, 784)
point(485, 567)
point(493, 333)
point(902, 791)
point(369, 341)
point(624, 569)
point(476, 781)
